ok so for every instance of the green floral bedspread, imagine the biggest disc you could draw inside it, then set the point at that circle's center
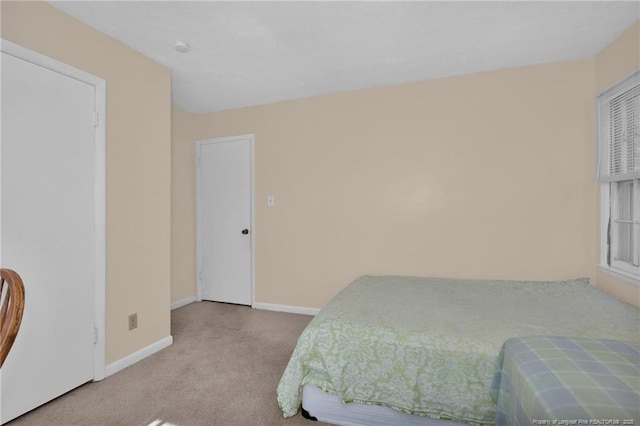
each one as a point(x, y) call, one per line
point(429, 346)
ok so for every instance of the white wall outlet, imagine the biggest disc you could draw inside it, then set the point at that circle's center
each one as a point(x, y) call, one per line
point(270, 200)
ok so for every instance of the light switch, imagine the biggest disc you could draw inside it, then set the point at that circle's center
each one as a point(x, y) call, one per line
point(270, 200)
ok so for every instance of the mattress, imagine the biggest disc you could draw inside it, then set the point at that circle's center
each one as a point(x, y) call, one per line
point(329, 408)
point(429, 346)
point(544, 379)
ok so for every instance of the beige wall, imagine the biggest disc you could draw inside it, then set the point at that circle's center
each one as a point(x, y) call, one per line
point(615, 62)
point(138, 165)
point(481, 176)
point(183, 206)
point(618, 59)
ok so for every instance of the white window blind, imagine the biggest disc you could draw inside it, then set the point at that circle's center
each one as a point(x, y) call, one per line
point(619, 131)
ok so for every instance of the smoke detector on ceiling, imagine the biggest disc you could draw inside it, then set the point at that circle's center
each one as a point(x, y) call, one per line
point(181, 46)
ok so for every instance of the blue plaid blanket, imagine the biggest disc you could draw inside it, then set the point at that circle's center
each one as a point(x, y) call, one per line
point(565, 380)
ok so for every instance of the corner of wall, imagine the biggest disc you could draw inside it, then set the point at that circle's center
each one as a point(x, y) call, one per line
point(183, 201)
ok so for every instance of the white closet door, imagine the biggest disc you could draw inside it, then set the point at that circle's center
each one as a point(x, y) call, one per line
point(224, 201)
point(48, 230)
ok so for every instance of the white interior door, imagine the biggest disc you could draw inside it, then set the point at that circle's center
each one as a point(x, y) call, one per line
point(48, 230)
point(224, 219)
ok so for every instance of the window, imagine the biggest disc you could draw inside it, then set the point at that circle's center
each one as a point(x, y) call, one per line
point(619, 174)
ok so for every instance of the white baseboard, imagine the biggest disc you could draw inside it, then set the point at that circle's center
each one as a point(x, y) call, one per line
point(137, 356)
point(183, 302)
point(286, 308)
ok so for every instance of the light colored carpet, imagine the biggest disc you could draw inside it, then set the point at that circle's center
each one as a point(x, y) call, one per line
point(222, 369)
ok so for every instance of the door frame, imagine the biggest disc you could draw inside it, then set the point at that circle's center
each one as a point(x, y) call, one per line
point(100, 85)
point(199, 144)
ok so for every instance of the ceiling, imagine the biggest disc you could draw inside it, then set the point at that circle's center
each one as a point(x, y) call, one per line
point(250, 53)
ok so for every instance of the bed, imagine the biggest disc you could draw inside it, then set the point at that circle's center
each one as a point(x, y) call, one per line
point(429, 346)
point(542, 379)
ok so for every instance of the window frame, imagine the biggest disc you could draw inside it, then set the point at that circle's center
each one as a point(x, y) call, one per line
point(607, 266)
point(635, 227)
point(625, 271)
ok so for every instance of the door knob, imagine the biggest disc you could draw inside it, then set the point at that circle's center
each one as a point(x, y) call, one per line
point(245, 231)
